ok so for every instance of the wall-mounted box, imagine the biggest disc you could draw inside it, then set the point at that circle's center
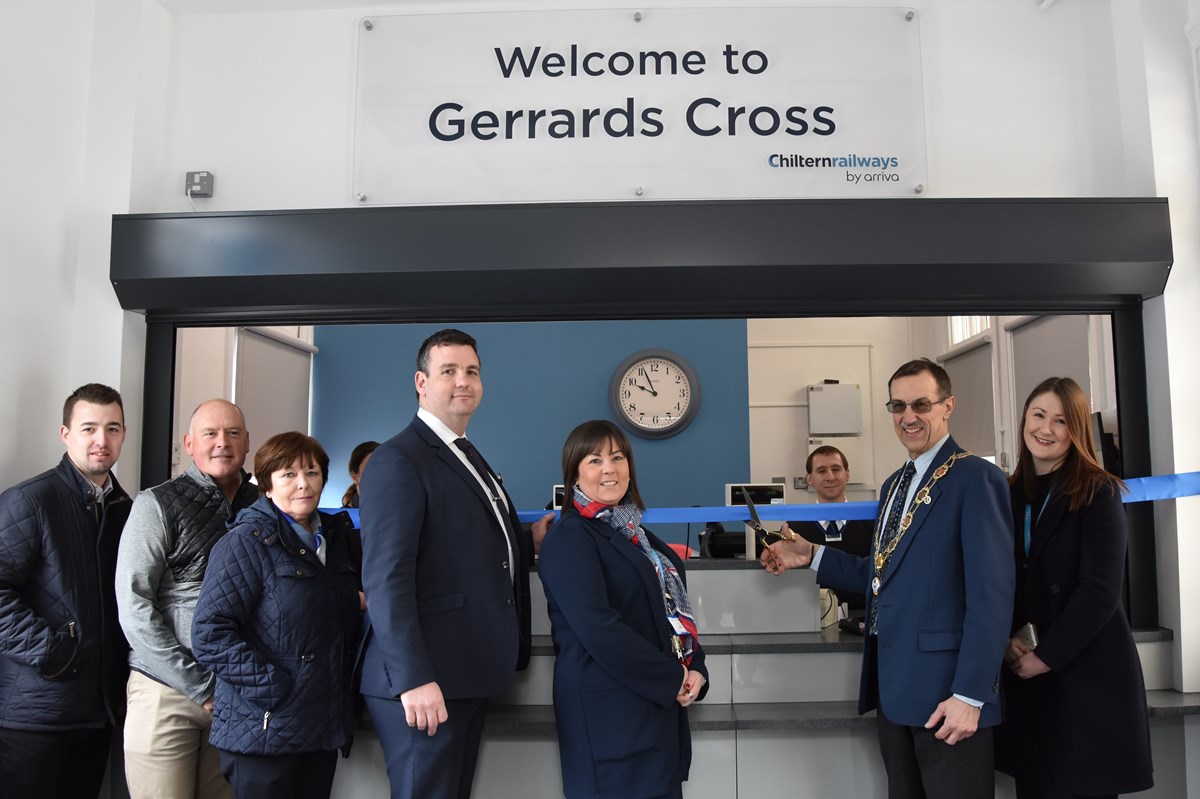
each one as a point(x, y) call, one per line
point(835, 409)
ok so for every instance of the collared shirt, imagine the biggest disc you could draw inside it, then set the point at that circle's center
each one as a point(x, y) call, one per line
point(499, 503)
point(97, 494)
point(838, 524)
point(922, 463)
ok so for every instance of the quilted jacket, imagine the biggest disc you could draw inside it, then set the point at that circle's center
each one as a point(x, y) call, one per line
point(279, 629)
point(62, 654)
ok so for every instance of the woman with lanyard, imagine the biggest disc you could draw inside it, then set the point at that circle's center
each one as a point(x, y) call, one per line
point(277, 622)
point(1076, 722)
point(628, 660)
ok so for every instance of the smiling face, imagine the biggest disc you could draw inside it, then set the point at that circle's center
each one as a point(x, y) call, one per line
point(453, 387)
point(920, 431)
point(829, 477)
point(94, 438)
point(604, 475)
point(296, 489)
point(217, 441)
point(1045, 432)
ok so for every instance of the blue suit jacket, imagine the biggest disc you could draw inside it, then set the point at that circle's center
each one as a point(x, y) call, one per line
point(946, 599)
point(620, 731)
point(442, 602)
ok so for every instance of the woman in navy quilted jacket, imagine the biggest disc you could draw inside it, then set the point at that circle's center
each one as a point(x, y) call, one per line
point(277, 622)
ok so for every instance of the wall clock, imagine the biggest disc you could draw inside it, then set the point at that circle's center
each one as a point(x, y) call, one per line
point(654, 393)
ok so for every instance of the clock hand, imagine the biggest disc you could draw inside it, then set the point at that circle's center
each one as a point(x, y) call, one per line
point(643, 388)
point(653, 393)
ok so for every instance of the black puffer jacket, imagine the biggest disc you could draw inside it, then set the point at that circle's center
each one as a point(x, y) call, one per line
point(62, 653)
point(279, 629)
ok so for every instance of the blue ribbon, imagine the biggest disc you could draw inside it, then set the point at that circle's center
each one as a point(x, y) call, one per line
point(1141, 489)
point(1165, 486)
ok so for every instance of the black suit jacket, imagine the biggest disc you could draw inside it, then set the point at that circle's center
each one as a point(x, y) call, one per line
point(444, 602)
point(856, 540)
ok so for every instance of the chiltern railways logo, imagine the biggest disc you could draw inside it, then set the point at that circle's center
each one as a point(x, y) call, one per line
point(859, 168)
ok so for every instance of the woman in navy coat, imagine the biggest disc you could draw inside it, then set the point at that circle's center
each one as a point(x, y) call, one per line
point(628, 659)
point(277, 622)
point(1076, 721)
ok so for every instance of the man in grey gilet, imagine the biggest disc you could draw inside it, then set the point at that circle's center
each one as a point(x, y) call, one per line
point(164, 552)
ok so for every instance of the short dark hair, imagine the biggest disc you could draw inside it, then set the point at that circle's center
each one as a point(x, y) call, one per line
point(590, 437)
point(825, 450)
point(919, 366)
point(281, 450)
point(95, 393)
point(440, 339)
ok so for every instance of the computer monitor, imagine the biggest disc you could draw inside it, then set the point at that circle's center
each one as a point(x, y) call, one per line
point(760, 493)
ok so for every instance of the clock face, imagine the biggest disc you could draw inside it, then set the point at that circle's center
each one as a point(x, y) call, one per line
point(655, 394)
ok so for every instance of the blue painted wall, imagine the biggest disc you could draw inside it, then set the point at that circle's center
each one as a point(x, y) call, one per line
point(540, 380)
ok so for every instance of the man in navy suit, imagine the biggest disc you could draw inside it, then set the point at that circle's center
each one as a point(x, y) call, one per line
point(939, 586)
point(446, 576)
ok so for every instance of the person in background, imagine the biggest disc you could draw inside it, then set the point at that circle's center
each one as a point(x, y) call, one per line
point(62, 655)
point(1076, 721)
point(164, 553)
point(277, 622)
point(939, 599)
point(627, 659)
point(828, 473)
point(446, 574)
point(358, 462)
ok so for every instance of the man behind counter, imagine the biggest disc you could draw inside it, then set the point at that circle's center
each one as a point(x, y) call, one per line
point(828, 473)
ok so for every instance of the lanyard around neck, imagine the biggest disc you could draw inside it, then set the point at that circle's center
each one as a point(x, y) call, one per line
point(1029, 518)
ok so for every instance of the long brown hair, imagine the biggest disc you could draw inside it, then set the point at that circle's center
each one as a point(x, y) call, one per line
point(591, 437)
point(1079, 476)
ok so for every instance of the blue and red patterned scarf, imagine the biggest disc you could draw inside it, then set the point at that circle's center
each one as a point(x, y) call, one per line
point(627, 518)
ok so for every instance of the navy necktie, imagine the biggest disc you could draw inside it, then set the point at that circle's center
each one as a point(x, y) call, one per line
point(891, 529)
point(900, 498)
point(476, 460)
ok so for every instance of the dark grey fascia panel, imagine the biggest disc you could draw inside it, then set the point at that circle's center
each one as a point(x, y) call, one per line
point(644, 260)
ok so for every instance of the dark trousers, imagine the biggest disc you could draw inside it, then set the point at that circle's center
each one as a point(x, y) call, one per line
point(60, 764)
point(918, 765)
point(1027, 790)
point(308, 775)
point(423, 766)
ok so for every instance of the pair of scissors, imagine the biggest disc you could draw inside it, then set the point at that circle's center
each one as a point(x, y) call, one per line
point(765, 537)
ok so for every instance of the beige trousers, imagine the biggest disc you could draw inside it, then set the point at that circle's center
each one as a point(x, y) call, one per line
point(167, 754)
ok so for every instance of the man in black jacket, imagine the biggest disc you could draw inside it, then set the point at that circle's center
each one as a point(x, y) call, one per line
point(62, 655)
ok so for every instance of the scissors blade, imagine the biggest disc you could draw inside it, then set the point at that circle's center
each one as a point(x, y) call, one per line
point(756, 523)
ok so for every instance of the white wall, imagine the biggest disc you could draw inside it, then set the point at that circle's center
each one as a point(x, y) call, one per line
point(37, 253)
point(67, 98)
point(888, 343)
point(1172, 324)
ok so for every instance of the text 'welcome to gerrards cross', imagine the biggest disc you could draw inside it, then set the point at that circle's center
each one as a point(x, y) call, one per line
point(660, 104)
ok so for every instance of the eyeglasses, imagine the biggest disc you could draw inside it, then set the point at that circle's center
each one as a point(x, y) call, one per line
point(921, 405)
